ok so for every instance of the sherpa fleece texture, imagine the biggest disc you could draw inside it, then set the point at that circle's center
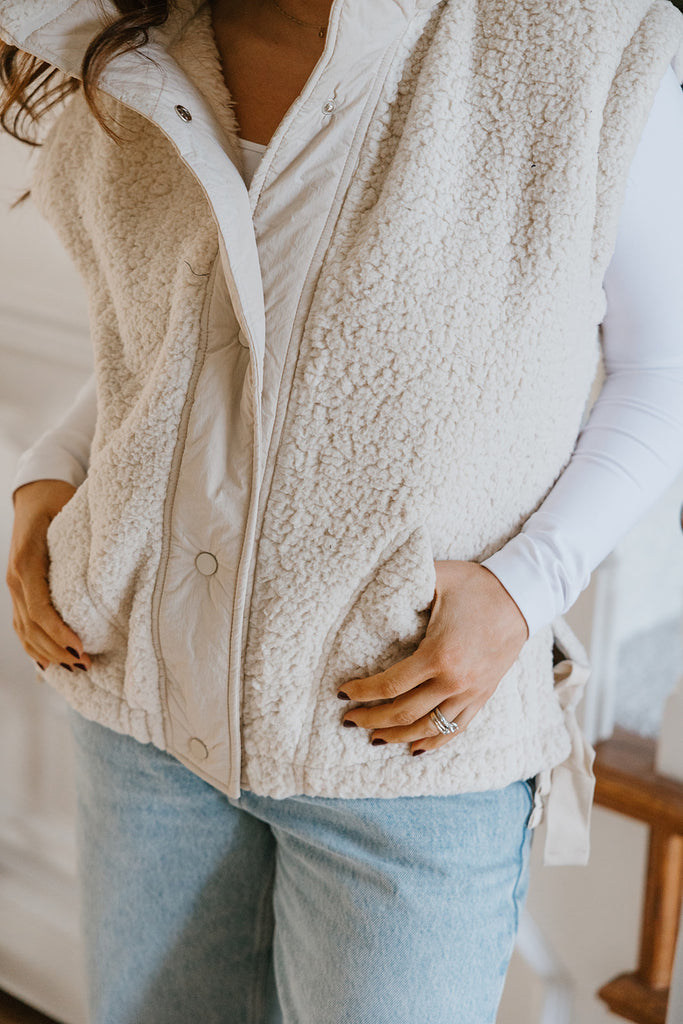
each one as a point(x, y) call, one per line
point(433, 398)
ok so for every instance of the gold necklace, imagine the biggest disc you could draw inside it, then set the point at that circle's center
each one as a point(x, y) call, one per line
point(321, 28)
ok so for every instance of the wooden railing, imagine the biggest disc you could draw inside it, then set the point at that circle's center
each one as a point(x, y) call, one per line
point(627, 782)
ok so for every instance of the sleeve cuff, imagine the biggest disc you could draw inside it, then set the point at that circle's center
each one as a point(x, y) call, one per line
point(44, 464)
point(522, 570)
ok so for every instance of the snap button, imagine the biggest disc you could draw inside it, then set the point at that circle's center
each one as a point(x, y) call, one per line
point(198, 750)
point(242, 338)
point(182, 112)
point(329, 107)
point(206, 563)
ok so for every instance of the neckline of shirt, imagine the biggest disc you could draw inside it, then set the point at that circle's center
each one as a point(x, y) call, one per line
point(258, 147)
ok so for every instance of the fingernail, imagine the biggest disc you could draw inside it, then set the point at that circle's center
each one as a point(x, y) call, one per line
point(415, 752)
point(73, 652)
point(343, 696)
point(347, 722)
point(79, 665)
point(64, 665)
point(42, 667)
point(377, 742)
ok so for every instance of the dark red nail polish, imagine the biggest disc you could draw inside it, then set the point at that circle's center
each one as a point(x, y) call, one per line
point(41, 667)
point(347, 722)
point(343, 696)
point(64, 665)
point(79, 665)
point(73, 651)
point(415, 752)
point(376, 742)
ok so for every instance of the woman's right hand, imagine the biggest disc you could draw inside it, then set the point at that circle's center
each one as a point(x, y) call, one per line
point(43, 633)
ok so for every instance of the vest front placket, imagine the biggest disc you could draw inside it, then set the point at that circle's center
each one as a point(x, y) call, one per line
point(181, 113)
point(291, 247)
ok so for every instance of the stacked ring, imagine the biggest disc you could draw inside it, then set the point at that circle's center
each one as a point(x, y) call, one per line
point(442, 723)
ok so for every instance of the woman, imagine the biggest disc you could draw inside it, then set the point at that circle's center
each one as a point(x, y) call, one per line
point(327, 474)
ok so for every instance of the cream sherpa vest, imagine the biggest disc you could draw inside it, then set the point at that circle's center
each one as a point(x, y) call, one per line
point(434, 396)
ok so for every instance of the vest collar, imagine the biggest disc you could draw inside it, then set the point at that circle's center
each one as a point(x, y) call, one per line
point(59, 32)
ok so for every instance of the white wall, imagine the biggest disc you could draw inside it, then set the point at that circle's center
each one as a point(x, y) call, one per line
point(44, 357)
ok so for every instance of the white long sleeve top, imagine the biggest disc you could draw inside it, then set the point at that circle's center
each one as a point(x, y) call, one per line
point(631, 446)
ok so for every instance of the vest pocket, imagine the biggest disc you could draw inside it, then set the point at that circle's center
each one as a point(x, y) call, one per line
point(69, 541)
point(384, 623)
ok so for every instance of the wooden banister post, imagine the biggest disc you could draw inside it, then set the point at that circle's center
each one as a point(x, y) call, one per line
point(627, 782)
point(662, 908)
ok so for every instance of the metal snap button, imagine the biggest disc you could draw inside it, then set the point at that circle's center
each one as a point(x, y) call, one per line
point(182, 112)
point(329, 107)
point(198, 749)
point(206, 563)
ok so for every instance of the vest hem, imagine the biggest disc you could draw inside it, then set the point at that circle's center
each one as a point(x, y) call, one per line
point(395, 775)
point(102, 706)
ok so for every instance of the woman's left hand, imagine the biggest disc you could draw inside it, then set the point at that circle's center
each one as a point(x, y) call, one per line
point(474, 635)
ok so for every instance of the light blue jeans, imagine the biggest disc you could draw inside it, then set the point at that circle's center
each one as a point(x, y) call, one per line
point(198, 907)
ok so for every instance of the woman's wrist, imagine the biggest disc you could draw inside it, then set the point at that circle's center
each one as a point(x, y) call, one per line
point(45, 496)
point(523, 571)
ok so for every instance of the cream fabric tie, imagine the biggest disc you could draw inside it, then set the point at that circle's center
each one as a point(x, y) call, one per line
point(564, 794)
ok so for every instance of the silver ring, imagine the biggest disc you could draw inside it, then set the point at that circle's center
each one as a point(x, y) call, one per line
point(442, 723)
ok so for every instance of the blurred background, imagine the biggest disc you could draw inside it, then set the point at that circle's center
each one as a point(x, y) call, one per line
point(582, 926)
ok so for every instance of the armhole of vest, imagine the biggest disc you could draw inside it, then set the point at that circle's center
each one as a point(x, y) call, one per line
point(656, 43)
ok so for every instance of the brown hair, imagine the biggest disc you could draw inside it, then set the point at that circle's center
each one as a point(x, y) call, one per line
point(31, 86)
